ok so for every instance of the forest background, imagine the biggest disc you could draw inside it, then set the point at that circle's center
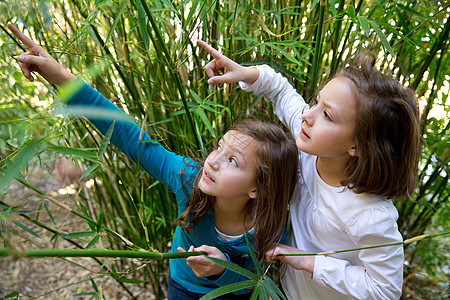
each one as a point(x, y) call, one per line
point(142, 56)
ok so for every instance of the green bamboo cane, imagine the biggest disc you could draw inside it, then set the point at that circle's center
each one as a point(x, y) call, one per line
point(317, 51)
point(171, 67)
point(408, 241)
point(19, 253)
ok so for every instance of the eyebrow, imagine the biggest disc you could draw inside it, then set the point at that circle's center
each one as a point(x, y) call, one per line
point(324, 103)
point(233, 148)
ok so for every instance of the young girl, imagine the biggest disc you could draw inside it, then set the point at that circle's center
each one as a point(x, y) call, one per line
point(359, 147)
point(243, 186)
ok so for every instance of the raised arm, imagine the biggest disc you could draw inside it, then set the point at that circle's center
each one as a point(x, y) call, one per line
point(38, 60)
point(224, 70)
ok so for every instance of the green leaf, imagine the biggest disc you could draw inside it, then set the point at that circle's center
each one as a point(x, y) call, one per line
point(93, 242)
point(351, 11)
point(20, 160)
point(73, 151)
point(89, 171)
point(100, 221)
point(129, 280)
point(205, 121)
point(196, 97)
point(229, 289)
point(364, 24)
point(13, 294)
point(79, 234)
point(143, 24)
point(27, 229)
point(233, 267)
point(271, 286)
point(106, 139)
point(49, 213)
point(253, 256)
point(382, 37)
point(116, 20)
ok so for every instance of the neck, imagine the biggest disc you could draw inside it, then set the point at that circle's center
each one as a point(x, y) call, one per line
point(230, 216)
point(332, 170)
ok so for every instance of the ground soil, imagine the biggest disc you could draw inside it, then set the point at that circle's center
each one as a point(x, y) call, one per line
point(53, 278)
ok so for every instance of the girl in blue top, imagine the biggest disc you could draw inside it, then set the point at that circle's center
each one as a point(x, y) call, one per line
point(243, 186)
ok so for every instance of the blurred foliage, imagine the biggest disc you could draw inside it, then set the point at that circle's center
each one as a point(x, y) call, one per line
point(152, 69)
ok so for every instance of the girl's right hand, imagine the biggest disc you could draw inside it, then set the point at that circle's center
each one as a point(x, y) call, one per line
point(223, 70)
point(38, 60)
point(305, 263)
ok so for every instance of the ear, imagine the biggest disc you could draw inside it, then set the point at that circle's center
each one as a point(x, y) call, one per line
point(353, 151)
point(253, 194)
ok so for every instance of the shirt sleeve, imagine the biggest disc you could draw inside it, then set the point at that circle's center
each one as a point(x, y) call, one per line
point(381, 274)
point(160, 163)
point(288, 104)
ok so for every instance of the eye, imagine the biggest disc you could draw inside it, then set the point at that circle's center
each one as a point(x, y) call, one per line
point(233, 162)
point(219, 147)
point(327, 116)
point(313, 102)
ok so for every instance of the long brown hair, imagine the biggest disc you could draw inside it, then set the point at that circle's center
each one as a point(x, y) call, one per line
point(386, 133)
point(276, 175)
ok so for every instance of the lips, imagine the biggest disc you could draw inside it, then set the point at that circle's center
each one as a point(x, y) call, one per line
point(207, 176)
point(303, 134)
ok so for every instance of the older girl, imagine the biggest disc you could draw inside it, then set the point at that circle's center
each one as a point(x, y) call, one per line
point(359, 147)
point(243, 186)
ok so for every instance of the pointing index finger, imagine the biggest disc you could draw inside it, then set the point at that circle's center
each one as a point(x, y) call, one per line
point(213, 52)
point(27, 41)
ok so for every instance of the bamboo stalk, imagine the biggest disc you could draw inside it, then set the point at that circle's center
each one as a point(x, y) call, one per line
point(17, 253)
point(408, 241)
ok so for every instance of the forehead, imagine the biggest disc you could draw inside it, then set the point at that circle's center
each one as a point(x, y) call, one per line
point(339, 97)
point(239, 142)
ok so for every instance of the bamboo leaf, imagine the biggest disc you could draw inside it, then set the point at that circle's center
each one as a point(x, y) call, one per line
point(73, 151)
point(234, 268)
point(129, 280)
point(253, 256)
point(89, 171)
point(100, 221)
point(27, 229)
point(93, 242)
point(351, 11)
point(205, 121)
point(49, 213)
point(116, 20)
point(143, 24)
point(20, 160)
point(106, 139)
point(364, 24)
point(382, 37)
point(229, 289)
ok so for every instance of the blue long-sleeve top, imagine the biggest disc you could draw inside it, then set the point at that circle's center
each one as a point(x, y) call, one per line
point(166, 167)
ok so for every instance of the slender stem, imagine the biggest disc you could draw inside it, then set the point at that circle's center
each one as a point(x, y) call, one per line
point(17, 253)
point(411, 240)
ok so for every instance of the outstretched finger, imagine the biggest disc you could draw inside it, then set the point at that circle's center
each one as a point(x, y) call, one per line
point(213, 52)
point(26, 40)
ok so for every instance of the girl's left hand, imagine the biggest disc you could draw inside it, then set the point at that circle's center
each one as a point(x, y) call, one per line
point(201, 265)
point(38, 60)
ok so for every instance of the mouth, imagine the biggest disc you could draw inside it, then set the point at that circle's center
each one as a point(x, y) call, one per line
point(304, 135)
point(207, 177)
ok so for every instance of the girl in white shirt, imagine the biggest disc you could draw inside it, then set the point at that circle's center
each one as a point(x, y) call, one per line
point(359, 147)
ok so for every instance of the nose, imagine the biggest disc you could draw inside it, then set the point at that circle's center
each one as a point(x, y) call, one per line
point(307, 114)
point(213, 160)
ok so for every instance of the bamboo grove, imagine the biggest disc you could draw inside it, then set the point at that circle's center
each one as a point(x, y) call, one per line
point(142, 56)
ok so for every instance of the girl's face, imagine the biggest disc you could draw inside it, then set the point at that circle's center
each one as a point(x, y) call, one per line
point(230, 170)
point(328, 128)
